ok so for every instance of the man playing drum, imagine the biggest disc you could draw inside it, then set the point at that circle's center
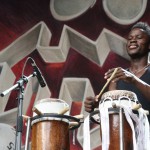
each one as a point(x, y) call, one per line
point(137, 77)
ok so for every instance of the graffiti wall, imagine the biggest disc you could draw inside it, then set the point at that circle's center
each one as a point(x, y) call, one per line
point(73, 43)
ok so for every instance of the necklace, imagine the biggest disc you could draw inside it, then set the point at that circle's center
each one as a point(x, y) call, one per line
point(138, 71)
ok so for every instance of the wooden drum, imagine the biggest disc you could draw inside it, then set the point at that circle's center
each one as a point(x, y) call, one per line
point(120, 133)
point(115, 126)
point(49, 130)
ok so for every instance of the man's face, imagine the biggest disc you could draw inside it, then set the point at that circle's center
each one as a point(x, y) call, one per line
point(137, 43)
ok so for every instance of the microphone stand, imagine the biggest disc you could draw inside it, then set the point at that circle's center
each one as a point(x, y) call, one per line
point(20, 87)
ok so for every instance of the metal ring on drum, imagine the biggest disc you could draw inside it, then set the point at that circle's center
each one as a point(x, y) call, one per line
point(56, 117)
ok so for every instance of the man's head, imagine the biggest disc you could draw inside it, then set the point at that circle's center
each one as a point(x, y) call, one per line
point(144, 26)
point(138, 42)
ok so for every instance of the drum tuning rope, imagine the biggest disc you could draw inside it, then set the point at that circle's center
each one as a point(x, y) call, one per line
point(98, 96)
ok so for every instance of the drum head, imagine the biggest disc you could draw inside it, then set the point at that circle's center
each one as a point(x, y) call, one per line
point(118, 97)
point(116, 94)
point(51, 105)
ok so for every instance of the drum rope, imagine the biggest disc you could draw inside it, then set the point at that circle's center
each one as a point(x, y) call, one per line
point(128, 113)
point(86, 134)
point(143, 133)
point(73, 139)
point(104, 127)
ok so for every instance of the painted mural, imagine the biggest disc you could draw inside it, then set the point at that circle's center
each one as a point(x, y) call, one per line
point(73, 43)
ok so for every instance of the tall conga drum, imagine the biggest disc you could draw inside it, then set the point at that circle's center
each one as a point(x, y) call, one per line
point(50, 131)
point(115, 131)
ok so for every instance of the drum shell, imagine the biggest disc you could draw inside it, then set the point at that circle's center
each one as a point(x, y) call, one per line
point(114, 124)
point(120, 98)
point(50, 135)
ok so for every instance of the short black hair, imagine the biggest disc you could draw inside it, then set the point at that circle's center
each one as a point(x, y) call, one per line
point(142, 25)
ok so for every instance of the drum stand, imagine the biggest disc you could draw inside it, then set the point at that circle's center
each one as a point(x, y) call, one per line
point(20, 87)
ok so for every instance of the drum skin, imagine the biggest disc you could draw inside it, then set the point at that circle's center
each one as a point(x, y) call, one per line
point(50, 135)
point(114, 133)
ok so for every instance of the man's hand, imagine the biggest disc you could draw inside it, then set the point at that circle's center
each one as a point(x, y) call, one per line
point(90, 103)
point(121, 74)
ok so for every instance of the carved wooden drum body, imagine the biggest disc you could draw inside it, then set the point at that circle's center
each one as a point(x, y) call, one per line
point(114, 127)
point(123, 122)
point(50, 131)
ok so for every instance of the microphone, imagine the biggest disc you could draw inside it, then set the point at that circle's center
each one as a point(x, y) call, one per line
point(38, 74)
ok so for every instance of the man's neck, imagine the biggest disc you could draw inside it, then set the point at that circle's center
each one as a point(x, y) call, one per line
point(138, 63)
